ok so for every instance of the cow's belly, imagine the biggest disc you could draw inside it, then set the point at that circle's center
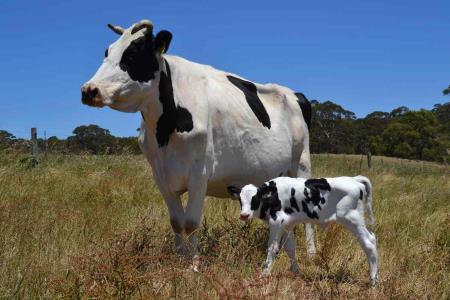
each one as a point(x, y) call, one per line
point(250, 160)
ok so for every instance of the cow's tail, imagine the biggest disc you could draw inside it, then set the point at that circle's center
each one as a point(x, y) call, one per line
point(368, 196)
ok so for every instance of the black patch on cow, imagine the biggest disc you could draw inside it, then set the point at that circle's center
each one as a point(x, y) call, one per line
point(361, 194)
point(106, 53)
point(267, 198)
point(173, 117)
point(312, 215)
point(251, 95)
point(305, 106)
point(294, 201)
point(139, 59)
point(314, 186)
point(288, 210)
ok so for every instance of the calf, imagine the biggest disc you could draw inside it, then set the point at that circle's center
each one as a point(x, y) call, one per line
point(284, 202)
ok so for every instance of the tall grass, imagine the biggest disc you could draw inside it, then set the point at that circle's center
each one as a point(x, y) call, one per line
point(97, 227)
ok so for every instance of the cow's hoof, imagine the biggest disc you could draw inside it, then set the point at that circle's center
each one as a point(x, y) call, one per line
point(195, 266)
point(294, 270)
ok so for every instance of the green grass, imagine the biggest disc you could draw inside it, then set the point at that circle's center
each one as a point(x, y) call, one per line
point(97, 227)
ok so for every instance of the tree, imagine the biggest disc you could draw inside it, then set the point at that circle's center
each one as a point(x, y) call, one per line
point(331, 128)
point(92, 139)
point(415, 135)
point(6, 139)
point(446, 91)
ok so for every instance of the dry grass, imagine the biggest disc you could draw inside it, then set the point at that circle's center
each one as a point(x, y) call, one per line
point(96, 227)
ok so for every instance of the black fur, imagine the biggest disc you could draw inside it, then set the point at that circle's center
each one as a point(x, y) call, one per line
point(305, 106)
point(139, 59)
point(288, 210)
point(361, 194)
point(267, 198)
point(251, 95)
point(314, 186)
point(294, 201)
point(173, 117)
point(312, 215)
point(162, 40)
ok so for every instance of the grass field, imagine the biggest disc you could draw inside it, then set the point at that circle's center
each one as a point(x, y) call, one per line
point(97, 227)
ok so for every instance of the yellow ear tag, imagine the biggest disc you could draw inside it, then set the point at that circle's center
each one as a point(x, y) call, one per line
point(161, 50)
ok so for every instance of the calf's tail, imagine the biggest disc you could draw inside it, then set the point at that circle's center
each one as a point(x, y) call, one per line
point(366, 182)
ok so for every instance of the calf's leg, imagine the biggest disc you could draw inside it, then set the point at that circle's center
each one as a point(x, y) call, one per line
point(275, 234)
point(354, 221)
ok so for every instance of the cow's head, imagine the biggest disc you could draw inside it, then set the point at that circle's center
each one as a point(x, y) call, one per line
point(130, 70)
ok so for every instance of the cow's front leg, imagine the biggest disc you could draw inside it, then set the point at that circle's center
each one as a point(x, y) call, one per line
point(289, 246)
point(176, 215)
point(273, 247)
point(193, 215)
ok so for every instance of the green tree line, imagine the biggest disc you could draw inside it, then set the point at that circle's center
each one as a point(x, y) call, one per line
point(422, 134)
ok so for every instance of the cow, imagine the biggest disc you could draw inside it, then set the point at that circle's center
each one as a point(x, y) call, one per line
point(202, 129)
point(283, 202)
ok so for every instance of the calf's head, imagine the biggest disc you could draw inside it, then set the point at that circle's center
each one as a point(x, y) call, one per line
point(249, 198)
point(129, 74)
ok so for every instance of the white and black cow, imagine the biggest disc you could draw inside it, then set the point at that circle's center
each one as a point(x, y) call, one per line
point(202, 129)
point(284, 202)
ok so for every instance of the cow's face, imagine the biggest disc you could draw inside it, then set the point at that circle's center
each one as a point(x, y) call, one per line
point(129, 73)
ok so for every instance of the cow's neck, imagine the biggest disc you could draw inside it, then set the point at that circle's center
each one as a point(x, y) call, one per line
point(162, 115)
point(153, 108)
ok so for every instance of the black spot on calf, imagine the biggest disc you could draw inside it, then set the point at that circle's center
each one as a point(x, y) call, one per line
point(139, 59)
point(268, 197)
point(314, 186)
point(361, 194)
point(294, 201)
point(312, 215)
point(173, 117)
point(251, 95)
point(288, 210)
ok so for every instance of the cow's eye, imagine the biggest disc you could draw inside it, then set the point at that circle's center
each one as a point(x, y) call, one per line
point(106, 53)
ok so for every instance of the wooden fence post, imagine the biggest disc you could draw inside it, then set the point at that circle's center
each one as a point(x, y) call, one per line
point(369, 160)
point(34, 147)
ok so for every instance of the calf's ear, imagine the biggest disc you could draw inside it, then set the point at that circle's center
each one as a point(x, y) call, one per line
point(234, 192)
point(162, 41)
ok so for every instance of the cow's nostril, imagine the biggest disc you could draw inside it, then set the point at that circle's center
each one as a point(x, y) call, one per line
point(93, 92)
point(88, 93)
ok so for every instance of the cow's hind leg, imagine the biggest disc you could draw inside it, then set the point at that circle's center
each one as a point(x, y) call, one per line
point(289, 247)
point(304, 171)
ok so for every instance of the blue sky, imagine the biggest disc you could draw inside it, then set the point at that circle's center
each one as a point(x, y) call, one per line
point(364, 55)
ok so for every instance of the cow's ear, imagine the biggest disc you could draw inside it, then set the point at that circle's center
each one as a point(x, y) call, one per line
point(162, 41)
point(234, 192)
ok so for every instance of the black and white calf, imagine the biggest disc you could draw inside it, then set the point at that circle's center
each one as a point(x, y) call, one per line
point(284, 202)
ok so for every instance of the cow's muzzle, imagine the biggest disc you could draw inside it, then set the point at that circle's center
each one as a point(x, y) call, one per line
point(91, 95)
